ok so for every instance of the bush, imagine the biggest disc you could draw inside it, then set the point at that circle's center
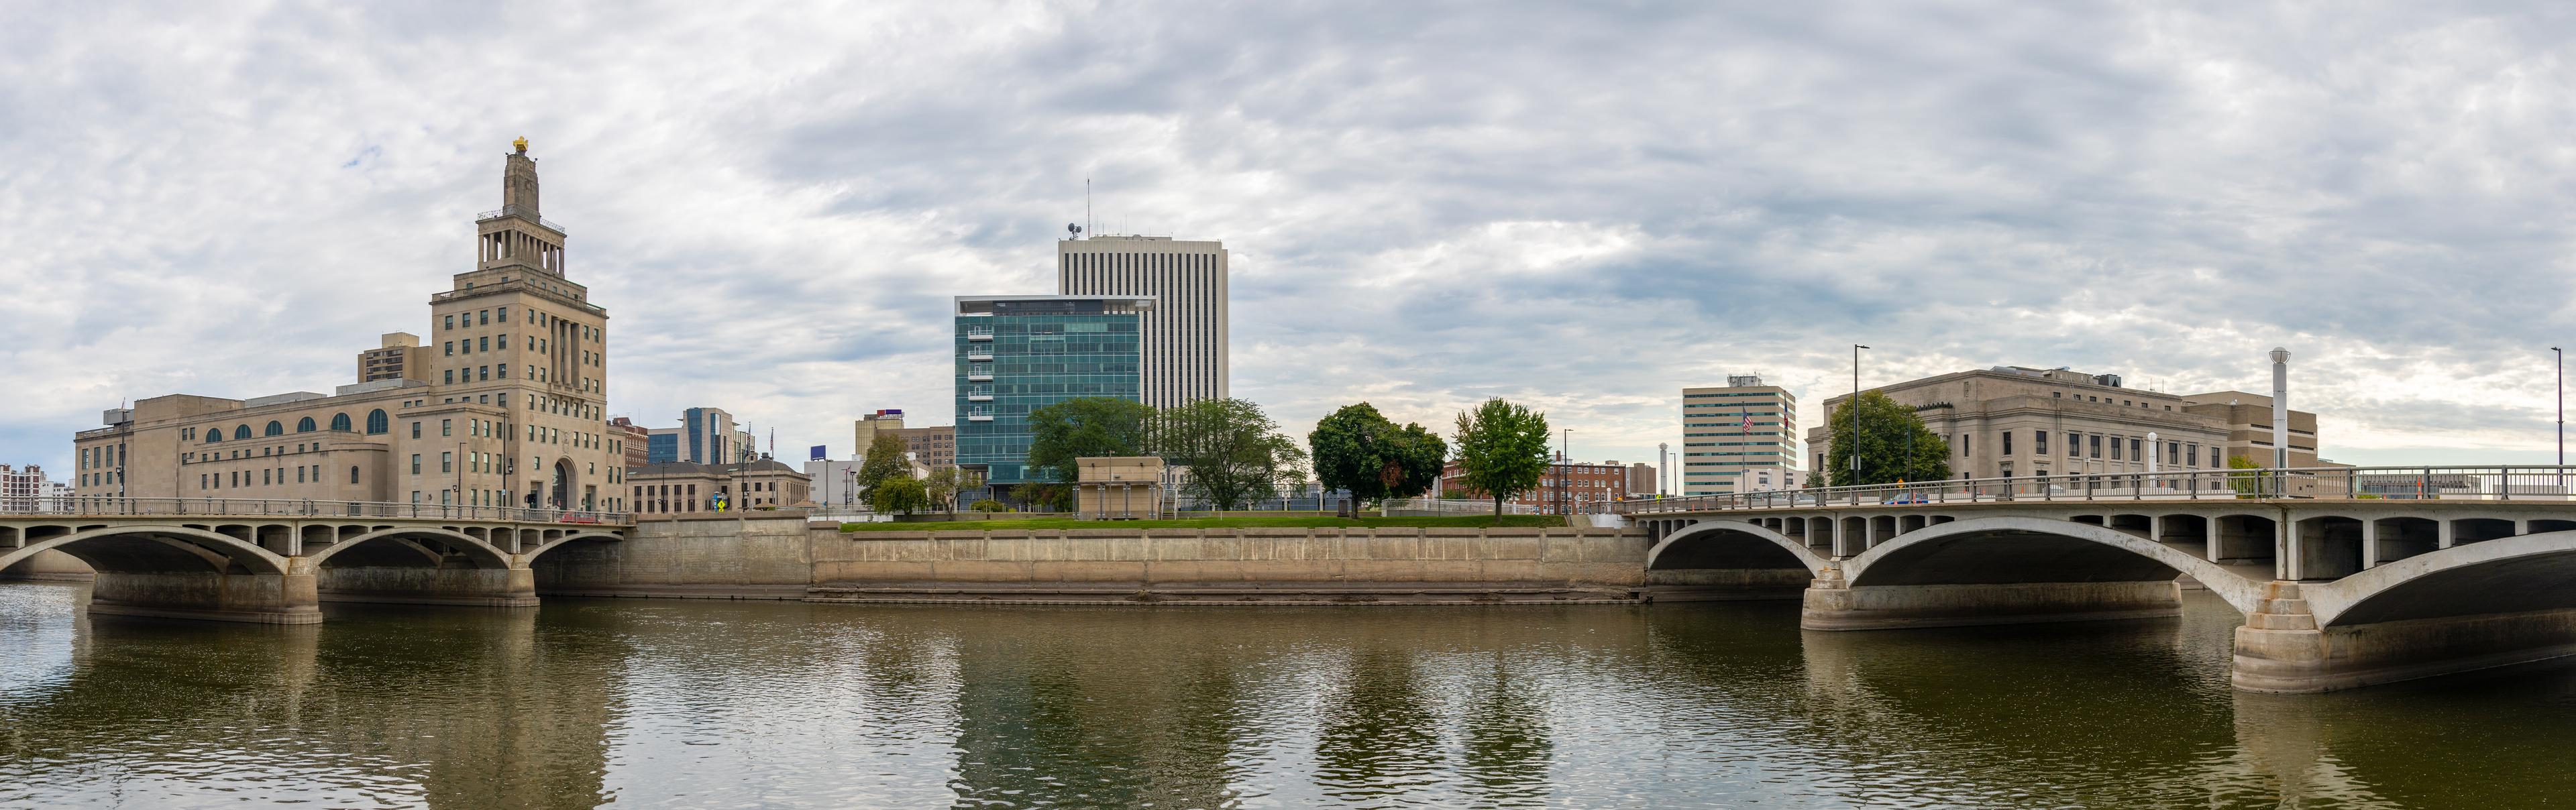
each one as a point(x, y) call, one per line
point(989, 505)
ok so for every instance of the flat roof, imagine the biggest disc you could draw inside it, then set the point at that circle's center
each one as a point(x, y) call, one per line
point(1136, 298)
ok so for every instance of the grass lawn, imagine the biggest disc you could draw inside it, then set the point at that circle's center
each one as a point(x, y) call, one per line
point(1474, 522)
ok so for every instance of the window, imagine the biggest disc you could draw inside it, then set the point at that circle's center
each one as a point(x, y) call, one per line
point(466, 347)
point(446, 427)
point(304, 425)
point(2133, 451)
point(505, 314)
point(487, 316)
point(241, 432)
point(415, 463)
point(447, 462)
point(447, 377)
point(487, 344)
point(451, 348)
point(2074, 445)
point(2097, 446)
point(299, 474)
point(2115, 448)
point(340, 422)
point(2173, 452)
point(2191, 455)
point(2007, 442)
point(415, 429)
point(451, 321)
point(486, 370)
point(275, 428)
point(377, 423)
point(215, 435)
point(353, 473)
point(505, 342)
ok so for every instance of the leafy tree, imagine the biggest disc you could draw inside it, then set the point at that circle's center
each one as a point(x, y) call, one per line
point(1233, 453)
point(990, 505)
point(1502, 449)
point(946, 482)
point(885, 459)
point(1360, 450)
point(2246, 484)
point(1086, 427)
point(901, 494)
point(1886, 428)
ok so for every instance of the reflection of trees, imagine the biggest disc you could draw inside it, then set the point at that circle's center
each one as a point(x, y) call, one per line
point(1378, 736)
point(1506, 745)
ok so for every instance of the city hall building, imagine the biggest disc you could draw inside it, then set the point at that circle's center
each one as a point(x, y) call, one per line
point(503, 404)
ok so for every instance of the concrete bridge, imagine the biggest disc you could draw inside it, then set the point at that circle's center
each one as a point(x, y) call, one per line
point(2347, 576)
point(275, 561)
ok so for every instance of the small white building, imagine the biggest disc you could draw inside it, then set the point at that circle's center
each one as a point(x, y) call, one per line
point(1770, 479)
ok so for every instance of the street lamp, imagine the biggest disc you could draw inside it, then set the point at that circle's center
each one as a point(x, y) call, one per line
point(2561, 357)
point(1855, 413)
point(1564, 465)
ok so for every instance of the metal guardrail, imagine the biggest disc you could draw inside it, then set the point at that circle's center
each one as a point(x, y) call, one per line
point(2500, 483)
point(512, 210)
point(102, 505)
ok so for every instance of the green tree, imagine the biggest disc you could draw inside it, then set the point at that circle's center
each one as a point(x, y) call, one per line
point(1360, 450)
point(2246, 484)
point(1502, 449)
point(901, 494)
point(945, 483)
point(1886, 430)
point(1232, 452)
point(1085, 427)
point(885, 459)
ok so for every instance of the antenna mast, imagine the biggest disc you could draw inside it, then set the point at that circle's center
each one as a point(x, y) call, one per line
point(1087, 224)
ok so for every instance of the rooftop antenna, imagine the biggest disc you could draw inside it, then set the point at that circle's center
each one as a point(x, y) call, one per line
point(1086, 203)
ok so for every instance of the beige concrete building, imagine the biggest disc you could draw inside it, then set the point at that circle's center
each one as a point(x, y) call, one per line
point(682, 488)
point(507, 412)
point(1733, 429)
point(2011, 421)
point(2248, 421)
point(1119, 488)
point(399, 356)
point(1185, 339)
point(935, 446)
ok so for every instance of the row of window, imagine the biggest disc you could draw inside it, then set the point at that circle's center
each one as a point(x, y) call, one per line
point(105, 455)
point(272, 476)
point(377, 423)
point(2080, 445)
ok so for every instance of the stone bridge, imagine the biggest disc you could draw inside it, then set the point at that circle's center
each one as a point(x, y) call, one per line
point(2337, 593)
point(274, 562)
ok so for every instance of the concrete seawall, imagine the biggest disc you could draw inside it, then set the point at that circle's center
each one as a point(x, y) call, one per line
point(784, 558)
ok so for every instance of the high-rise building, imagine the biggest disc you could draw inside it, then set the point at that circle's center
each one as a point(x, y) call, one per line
point(863, 433)
point(399, 356)
point(705, 436)
point(1186, 339)
point(22, 490)
point(633, 437)
point(508, 412)
point(1018, 353)
point(1744, 425)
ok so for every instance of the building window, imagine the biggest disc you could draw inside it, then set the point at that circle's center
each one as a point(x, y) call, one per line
point(215, 435)
point(487, 316)
point(2173, 452)
point(377, 424)
point(2191, 455)
point(505, 314)
point(451, 321)
point(2133, 451)
point(2007, 443)
point(275, 428)
point(415, 463)
point(2115, 448)
point(2074, 445)
point(487, 344)
point(447, 377)
point(340, 422)
point(2096, 440)
point(446, 427)
point(447, 462)
point(304, 425)
point(451, 348)
point(415, 429)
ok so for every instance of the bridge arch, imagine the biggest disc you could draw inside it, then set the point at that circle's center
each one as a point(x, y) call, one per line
point(2009, 549)
point(1703, 542)
point(530, 557)
point(2504, 575)
point(482, 554)
point(133, 549)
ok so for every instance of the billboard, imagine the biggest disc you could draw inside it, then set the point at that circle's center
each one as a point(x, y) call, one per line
point(816, 453)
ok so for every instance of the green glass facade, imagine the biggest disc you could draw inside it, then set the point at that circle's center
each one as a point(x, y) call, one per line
point(1015, 355)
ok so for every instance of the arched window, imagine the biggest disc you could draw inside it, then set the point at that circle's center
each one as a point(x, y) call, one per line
point(242, 432)
point(304, 425)
point(340, 422)
point(275, 428)
point(376, 422)
point(214, 435)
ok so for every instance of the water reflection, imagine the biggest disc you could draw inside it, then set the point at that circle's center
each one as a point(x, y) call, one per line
point(654, 704)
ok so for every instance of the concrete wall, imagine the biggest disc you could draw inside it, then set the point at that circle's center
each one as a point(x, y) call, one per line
point(50, 565)
point(715, 557)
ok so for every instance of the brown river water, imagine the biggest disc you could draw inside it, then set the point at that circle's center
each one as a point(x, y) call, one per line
point(635, 703)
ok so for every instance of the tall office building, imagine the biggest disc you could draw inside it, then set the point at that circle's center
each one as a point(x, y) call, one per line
point(506, 407)
point(399, 355)
point(1018, 353)
point(705, 436)
point(1186, 331)
point(1727, 431)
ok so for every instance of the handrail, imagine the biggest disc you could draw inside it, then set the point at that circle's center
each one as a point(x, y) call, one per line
point(512, 210)
point(2499, 482)
point(111, 505)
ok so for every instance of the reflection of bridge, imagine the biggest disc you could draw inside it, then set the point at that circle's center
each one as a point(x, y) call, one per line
point(274, 561)
point(2380, 575)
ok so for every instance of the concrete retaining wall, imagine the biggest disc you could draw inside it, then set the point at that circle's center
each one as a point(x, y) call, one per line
point(715, 557)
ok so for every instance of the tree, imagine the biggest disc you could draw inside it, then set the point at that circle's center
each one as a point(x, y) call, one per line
point(1502, 449)
point(1886, 428)
point(901, 494)
point(1086, 427)
point(945, 483)
point(885, 459)
point(1233, 453)
point(2246, 484)
point(1360, 450)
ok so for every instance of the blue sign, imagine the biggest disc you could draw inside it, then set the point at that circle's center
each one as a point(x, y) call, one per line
point(816, 453)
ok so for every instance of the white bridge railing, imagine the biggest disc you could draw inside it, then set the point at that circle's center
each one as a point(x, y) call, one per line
point(102, 505)
point(2536, 483)
point(1448, 506)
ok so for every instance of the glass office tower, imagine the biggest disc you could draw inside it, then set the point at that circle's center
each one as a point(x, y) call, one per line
point(1018, 353)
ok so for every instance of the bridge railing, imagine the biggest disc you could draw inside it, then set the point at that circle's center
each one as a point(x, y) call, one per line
point(103, 505)
point(2508, 482)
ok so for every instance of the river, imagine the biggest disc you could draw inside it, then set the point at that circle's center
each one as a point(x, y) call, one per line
point(634, 703)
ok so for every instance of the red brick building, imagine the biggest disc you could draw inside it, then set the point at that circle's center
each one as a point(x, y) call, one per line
point(1576, 488)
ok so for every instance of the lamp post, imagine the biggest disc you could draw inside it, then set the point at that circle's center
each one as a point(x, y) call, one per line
point(2561, 358)
point(1564, 465)
point(1854, 406)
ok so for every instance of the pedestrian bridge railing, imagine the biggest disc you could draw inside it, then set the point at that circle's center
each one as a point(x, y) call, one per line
point(100, 505)
point(2537, 483)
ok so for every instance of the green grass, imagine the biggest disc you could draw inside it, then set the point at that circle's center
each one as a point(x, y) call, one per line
point(1023, 524)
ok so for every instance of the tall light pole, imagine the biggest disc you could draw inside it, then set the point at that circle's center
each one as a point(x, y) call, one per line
point(1854, 407)
point(2280, 408)
point(2561, 357)
point(1564, 465)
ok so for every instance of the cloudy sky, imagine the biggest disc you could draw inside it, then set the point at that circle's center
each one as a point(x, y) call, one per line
point(1581, 208)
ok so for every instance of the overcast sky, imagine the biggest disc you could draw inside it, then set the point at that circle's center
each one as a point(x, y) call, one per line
point(1428, 204)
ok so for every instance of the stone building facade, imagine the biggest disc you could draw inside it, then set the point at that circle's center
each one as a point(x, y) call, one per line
point(506, 407)
point(682, 488)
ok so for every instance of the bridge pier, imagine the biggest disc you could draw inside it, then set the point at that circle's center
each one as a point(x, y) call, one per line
point(259, 598)
point(2281, 649)
point(514, 586)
